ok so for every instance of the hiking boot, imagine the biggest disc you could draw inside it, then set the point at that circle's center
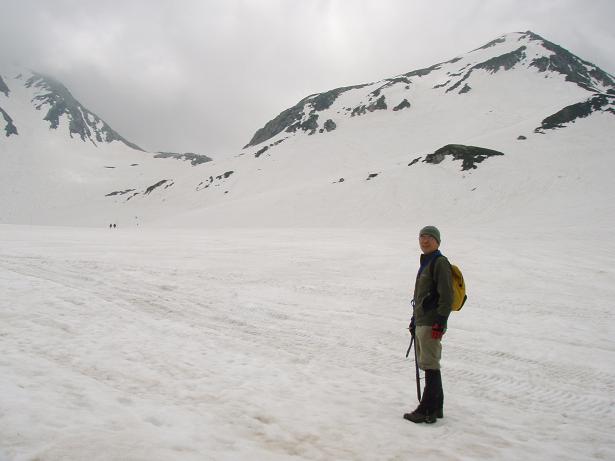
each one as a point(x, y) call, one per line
point(417, 416)
point(439, 413)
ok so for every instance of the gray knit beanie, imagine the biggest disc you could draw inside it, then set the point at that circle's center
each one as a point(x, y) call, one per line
point(431, 230)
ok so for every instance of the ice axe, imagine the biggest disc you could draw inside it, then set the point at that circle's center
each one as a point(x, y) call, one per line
point(416, 368)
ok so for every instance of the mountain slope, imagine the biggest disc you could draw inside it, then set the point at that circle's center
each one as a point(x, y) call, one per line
point(372, 154)
point(59, 160)
point(508, 128)
point(51, 96)
point(520, 52)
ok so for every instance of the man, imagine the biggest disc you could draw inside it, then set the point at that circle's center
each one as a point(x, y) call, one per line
point(433, 294)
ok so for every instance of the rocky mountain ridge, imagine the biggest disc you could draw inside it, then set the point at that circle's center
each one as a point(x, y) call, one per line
point(56, 101)
point(506, 128)
point(517, 51)
point(51, 98)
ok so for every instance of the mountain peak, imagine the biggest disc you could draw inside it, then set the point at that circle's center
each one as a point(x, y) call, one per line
point(525, 52)
point(49, 94)
point(82, 122)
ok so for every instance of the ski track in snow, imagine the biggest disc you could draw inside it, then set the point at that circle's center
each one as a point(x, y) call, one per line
point(289, 344)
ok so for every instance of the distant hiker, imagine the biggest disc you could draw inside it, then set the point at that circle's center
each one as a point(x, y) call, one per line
point(110, 226)
point(433, 294)
point(114, 226)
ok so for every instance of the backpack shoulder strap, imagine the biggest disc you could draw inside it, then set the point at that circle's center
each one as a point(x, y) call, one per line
point(432, 263)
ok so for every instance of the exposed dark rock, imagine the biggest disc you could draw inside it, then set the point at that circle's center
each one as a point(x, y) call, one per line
point(288, 120)
point(225, 175)
point(575, 69)
point(579, 110)
point(460, 72)
point(211, 181)
point(282, 122)
point(134, 164)
point(205, 184)
point(371, 176)
point(10, 127)
point(521, 138)
point(456, 85)
point(323, 101)
point(341, 180)
point(82, 122)
point(311, 124)
point(506, 61)
point(294, 127)
point(402, 79)
point(110, 167)
point(453, 61)
point(466, 89)
point(195, 159)
point(389, 83)
point(261, 151)
point(542, 63)
point(330, 125)
point(3, 88)
point(491, 43)
point(154, 186)
point(469, 155)
point(380, 104)
point(423, 72)
point(402, 105)
point(441, 84)
point(603, 78)
point(119, 192)
point(264, 149)
point(360, 110)
point(414, 161)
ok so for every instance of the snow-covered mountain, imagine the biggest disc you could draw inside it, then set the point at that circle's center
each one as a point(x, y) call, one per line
point(59, 159)
point(52, 98)
point(516, 53)
point(513, 127)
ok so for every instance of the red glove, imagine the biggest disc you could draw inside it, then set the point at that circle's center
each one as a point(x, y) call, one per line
point(437, 331)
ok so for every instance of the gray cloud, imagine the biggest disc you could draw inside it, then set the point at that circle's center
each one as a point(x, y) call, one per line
point(203, 75)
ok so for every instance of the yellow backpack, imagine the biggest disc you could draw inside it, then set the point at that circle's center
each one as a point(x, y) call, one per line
point(459, 289)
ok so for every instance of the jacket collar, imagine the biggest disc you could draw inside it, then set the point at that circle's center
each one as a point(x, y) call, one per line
point(426, 259)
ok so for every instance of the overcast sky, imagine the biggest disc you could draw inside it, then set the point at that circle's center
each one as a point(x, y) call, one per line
point(203, 75)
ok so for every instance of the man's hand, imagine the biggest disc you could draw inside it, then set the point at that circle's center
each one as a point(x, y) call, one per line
point(437, 330)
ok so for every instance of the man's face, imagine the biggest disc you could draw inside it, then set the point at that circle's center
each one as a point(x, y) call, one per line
point(428, 243)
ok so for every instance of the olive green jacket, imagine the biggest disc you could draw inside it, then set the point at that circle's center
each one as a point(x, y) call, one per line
point(433, 292)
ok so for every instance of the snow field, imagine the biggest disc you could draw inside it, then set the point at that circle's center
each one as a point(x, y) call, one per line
point(289, 344)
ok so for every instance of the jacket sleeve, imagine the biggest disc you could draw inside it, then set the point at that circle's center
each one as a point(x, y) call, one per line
point(444, 286)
